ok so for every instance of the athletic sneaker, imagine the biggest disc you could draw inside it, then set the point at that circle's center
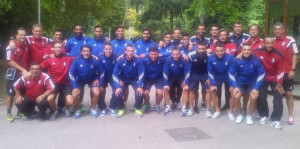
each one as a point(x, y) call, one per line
point(146, 108)
point(9, 118)
point(190, 112)
point(93, 112)
point(138, 113)
point(74, 109)
point(82, 109)
point(174, 106)
point(103, 112)
point(156, 108)
point(290, 120)
point(77, 114)
point(53, 115)
point(121, 113)
point(263, 120)
point(113, 112)
point(183, 111)
point(167, 111)
point(21, 115)
point(67, 113)
point(216, 115)
point(231, 116)
point(203, 106)
point(276, 125)
point(249, 120)
point(239, 119)
point(244, 111)
point(60, 110)
point(196, 109)
point(208, 114)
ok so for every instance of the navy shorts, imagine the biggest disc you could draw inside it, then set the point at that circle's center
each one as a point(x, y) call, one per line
point(65, 89)
point(245, 86)
point(10, 86)
point(287, 83)
point(90, 84)
point(158, 83)
point(174, 80)
point(194, 84)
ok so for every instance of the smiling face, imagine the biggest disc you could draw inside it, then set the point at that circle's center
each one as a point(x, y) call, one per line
point(37, 32)
point(57, 49)
point(167, 39)
point(98, 32)
point(146, 35)
point(223, 36)
point(214, 31)
point(253, 31)
point(21, 36)
point(246, 50)
point(153, 55)
point(129, 51)
point(278, 31)
point(78, 31)
point(107, 50)
point(86, 52)
point(201, 49)
point(219, 52)
point(175, 54)
point(176, 35)
point(57, 36)
point(238, 28)
point(120, 33)
point(201, 31)
point(268, 43)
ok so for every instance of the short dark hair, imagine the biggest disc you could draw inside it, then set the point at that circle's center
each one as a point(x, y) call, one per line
point(253, 25)
point(167, 33)
point(57, 30)
point(246, 44)
point(176, 29)
point(237, 22)
point(129, 45)
point(219, 44)
point(223, 30)
point(57, 42)
point(34, 63)
point(202, 43)
point(146, 29)
point(200, 25)
point(175, 48)
point(269, 36)
point(185, 35)
point(77, 25)
point(20, 29)
point(35, 25)
point(122, 27)
point(153, 49)
point(86, 46)
point(97, 26)
point(107, 44)
point(214, 25)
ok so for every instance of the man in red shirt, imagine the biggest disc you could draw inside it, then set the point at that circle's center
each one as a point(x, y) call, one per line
point(17, 57)
point(48, 52)
point(37, 44)
point(229, 46)
point(58, 69)
point(37, 87)
point(273, 62)
point(288, 48)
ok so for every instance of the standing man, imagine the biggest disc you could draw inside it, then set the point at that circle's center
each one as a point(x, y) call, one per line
point(48, 52)
point(37, 44)
point(143, 45)
point(176, 38)
point(17, 56)
point(217, 67)
point(274, 66)
point(288, 48)
point(198, 60)
point(85, 70)
point(38, 87)
point(246, 73)
point(129, 70)
point(238, 36)
point(58, 69)
point(120, 43)
point(229, 46)
point(75, 43)
point(200, 36)
point(153, 76)
point(107, 61)
point(97, 43)
point(165, 49)
point(214, 34)
point(176, 70)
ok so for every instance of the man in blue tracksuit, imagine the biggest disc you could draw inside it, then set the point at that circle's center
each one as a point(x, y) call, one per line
point(129, 70)
point(143, 45)
point(74, 44)
point(200, 37)
point(198, 60)
point(176, 70)
point(85, 70)
point(107, 61)
point(153, 76)
point(97, 43)
point(165, 49)
point(217, 67)
point(119, 43)
point(246, 73)
point(177, 38)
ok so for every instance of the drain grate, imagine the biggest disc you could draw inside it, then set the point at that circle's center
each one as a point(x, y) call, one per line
point(187, 134)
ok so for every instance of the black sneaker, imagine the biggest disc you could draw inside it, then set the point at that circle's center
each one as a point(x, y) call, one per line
point(60, 110)
point(41, 117)
point(196, 109)
point(203, 106)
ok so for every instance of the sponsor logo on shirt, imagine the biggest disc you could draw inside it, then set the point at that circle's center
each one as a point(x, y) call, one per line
point(273, 60)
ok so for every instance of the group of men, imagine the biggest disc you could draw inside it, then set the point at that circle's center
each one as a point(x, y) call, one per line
point(41, 68)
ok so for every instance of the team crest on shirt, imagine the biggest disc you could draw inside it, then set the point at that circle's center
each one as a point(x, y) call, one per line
point(195, 60)
point(214, 63)
point(124, 64)
point(75, 42)
point(226, 63)
point(80, 65)
point(172, 64)
point(65, 64)
point(103, 61)
point(116, 45)
point(53, 63)
point(273, 60)
point(94, 45)
point(138, 46)
point(39, 82)
point(261, 57)
point(92, 66)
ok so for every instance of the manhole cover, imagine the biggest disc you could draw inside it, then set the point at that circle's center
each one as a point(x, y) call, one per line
point(187, 134)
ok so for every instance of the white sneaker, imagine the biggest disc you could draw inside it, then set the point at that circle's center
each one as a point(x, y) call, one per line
point(216, 115)
point(263, 120)
point(276, 125)
point(239, 119)
point(290, 120)
point(231, 116)
point(249, 120)
point(190, 112)
point(208, 114)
